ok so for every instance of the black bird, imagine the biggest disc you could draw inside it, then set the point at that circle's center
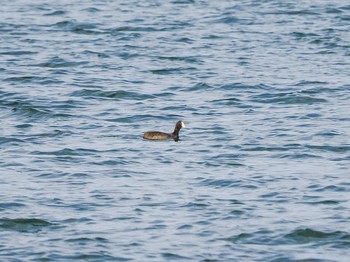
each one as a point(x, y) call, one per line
point(156, 135)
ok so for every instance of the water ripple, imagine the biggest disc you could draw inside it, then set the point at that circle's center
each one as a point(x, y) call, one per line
point(260, 172)
point(308, 235)
point(119, 94)
point(286, 98)
point(28, 225)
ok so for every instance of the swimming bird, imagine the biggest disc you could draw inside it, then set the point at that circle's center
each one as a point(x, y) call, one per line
point(156, 135)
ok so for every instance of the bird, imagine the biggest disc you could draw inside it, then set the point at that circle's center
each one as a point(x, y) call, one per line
point(156, 135)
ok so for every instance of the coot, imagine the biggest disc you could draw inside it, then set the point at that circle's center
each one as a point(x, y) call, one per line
point(156, 135)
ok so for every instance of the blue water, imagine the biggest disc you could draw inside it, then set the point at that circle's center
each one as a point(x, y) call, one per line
point(261, 172)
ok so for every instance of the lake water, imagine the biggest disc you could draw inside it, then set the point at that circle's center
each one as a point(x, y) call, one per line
point(261, 172)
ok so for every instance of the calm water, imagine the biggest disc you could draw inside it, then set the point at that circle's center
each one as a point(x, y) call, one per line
point(261, 172)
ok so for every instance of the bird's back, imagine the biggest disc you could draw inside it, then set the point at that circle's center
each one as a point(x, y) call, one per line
point(156, 135)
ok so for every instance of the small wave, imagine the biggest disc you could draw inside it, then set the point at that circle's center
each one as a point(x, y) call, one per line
point(184, 227)
point(241, 86)
point(170, 71)
point(298, 236)
point(264, 149)
point(196, 205)
point(11, 205)
point(119, 162)
point(57, 62)
point(300, 12)
point(311, 83)
point(23, 126)
point(67, 152)
point(137, 29)
point(29, 225)
point(18, 53)
point(179, 108)
point(308, 235)
point(173, 256)
point(230, 19)
point(197, 87)
point(228, 101)
point(333, 10)
point(119, 94)
point(345, 18)
point(344, 187)
point(183, 2)
point(143, 118)
point(335, 149)
point(24, 79)
point(10, 140)
point(187, 59)
point(297, 156)
point(92, 10)
point(302, 35)
point(79, 28)
point(85, 240)
point(83, 255)
point(56, 13)
point(33, 112)
point(30, 111)
point(345, 7)
point(119, 29)
point(286, 98)
point(328, 202)
point(259, 237)
point(227, 159)
point(329, 133)
point(230, 183)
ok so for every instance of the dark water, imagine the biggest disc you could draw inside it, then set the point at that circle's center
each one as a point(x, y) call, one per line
point(261, 172)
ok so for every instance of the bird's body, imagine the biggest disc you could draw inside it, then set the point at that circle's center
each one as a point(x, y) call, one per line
point(156, 135)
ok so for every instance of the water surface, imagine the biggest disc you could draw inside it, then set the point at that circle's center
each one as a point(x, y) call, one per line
point(261, 171)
